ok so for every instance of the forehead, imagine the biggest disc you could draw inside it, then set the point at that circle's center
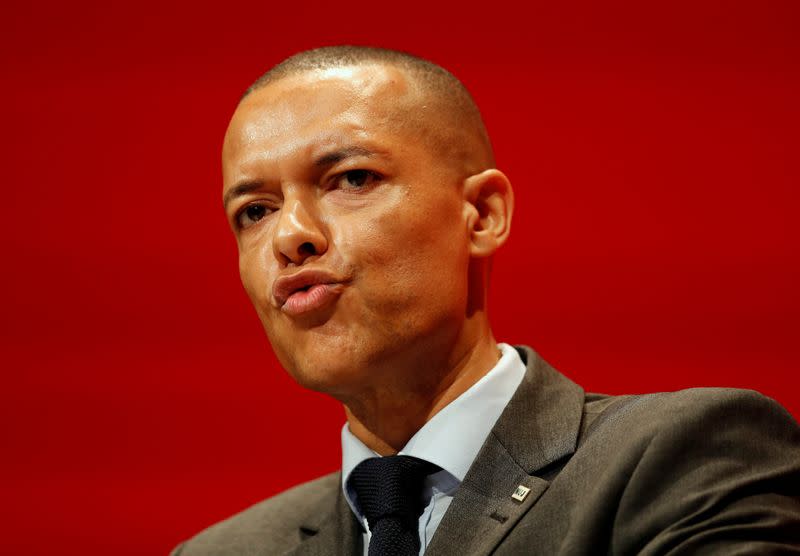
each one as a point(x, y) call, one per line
point(318, 108)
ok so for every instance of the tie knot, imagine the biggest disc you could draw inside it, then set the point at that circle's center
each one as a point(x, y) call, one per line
point(390, 487)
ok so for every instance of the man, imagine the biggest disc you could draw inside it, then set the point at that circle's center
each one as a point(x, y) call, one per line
point(361, 187)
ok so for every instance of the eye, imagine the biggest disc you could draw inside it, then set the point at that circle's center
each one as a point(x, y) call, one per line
point(250, 215)
point(357, 179)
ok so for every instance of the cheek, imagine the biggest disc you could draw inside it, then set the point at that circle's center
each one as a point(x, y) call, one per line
point(409, 255)
point(253, 272)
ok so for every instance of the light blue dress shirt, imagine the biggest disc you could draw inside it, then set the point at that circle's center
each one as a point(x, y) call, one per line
point(451, 440)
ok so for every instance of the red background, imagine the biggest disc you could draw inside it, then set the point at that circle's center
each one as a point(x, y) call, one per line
point(654, 152)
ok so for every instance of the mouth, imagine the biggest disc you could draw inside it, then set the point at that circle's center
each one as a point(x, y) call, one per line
point(305, 291)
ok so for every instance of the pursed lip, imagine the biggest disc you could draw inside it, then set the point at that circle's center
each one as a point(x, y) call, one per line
point(285, 286)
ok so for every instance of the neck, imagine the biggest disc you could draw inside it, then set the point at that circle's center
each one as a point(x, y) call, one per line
point(385, 416)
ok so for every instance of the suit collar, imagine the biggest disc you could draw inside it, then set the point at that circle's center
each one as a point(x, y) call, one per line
point(539, 426)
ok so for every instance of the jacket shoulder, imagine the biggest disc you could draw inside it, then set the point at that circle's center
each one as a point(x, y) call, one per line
point(267, 527)
point(704, 470)
point(692, 409)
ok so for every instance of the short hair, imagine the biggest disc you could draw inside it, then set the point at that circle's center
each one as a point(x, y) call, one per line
point(431, 77)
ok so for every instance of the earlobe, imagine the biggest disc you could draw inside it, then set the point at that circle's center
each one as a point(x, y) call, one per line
point(488, 205)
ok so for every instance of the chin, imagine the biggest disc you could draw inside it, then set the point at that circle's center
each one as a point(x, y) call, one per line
point(322, 367)
point(334, 380)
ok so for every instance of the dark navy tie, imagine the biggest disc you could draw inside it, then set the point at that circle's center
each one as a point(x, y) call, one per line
point(389, 491)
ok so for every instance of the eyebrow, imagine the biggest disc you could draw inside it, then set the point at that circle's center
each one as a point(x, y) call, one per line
point(239, 190)
point(325, 160)
point(333, 157)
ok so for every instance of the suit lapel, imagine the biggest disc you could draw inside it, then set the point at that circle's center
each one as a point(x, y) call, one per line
point(335, 533)
point(538, 427)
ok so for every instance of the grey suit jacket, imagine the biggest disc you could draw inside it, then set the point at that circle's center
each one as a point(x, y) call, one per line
point(701, 471)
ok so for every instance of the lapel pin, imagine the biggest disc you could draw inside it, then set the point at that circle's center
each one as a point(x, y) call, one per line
point(520, 493)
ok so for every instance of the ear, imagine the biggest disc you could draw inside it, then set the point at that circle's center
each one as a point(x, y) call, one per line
point(488, 204)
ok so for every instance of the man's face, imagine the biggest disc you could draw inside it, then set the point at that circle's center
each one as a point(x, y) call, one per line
point(353, 244)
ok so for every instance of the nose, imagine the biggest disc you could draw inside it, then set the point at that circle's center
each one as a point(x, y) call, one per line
point(298, 234)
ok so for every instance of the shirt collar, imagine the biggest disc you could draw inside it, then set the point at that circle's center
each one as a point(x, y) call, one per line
point(453, 437)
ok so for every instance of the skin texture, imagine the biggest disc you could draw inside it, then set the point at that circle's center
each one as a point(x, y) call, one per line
point(362, 176)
